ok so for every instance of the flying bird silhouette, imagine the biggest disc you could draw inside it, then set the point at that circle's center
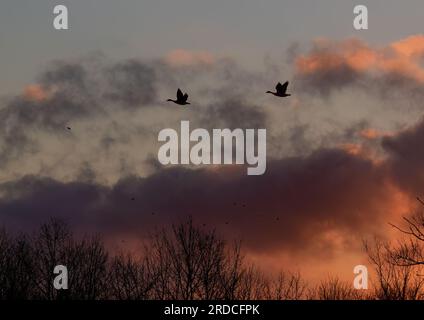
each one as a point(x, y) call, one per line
point(69, 128)
point(181, 98)
point(281, 90)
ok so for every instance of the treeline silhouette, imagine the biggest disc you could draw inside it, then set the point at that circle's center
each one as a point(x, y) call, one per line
point(187, 262)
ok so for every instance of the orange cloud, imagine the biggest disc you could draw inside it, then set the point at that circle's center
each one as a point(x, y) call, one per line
point(352, 149)
point(370, 134)
point(35, 92)
point(181, 57)
point(412, 46)
point(362, 151)
point(401, 58)
point(327, 55)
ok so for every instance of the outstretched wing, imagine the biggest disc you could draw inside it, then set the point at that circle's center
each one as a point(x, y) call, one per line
point(180, 95)
point(185, 97)
point(282, 88)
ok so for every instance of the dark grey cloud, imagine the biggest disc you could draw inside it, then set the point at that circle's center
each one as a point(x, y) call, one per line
point(94, 88)
point(73, 91)
point(406, 158)
point(325, 82)
point(292, 206)
point(233, 112)
point(131, 84)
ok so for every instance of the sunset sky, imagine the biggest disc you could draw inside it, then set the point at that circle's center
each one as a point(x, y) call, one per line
point(344, 151)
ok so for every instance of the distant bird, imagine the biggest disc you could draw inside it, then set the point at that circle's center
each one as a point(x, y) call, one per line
point(132, 199)
point(181, 98)
point(69, 128)
point(281, 90)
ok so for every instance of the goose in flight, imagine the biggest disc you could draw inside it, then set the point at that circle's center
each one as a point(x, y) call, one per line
point(181, 98)
point(281, 90)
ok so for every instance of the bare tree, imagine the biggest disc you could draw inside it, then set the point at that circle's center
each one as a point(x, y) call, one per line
point(88, 269)
point(187, 262)
point(393, 281)
point(334, 289)
point(191, 263)
point(411, 251)
point(85, 260)
point(287, 286)
point(250, 283)
point(130, 279)
point(16, 269)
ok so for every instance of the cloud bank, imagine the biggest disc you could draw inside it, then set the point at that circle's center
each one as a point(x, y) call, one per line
point(339, 184)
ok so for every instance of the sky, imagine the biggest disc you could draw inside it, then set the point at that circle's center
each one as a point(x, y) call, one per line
point(247, 29)
point(344, 152)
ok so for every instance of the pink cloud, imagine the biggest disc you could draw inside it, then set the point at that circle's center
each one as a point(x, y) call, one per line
point(181, 57)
